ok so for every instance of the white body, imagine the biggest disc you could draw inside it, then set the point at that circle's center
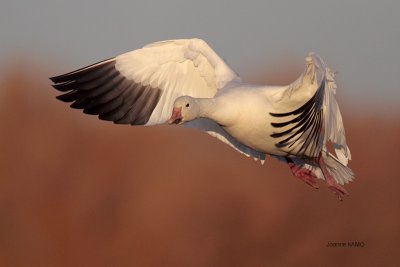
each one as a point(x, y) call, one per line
point(247, 120)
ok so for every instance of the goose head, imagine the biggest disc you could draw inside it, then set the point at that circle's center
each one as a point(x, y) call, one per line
point(185, 109)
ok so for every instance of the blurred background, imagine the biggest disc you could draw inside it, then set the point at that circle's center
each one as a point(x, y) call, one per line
point(75, 191)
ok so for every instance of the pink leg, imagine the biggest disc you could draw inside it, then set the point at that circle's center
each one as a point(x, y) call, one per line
point(332, 184)
point(303, 174)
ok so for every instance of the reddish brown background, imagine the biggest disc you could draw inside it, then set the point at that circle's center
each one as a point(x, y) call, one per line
point(75, 191)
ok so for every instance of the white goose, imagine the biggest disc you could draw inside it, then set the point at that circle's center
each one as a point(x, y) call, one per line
point(187, 79)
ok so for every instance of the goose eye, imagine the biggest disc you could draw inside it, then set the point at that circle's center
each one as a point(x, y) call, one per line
point(187, 105)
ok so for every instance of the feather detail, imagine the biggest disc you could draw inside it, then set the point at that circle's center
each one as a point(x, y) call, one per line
point(333, 122)
point(306, 130)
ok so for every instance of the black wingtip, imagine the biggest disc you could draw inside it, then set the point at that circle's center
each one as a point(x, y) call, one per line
point(64, 98)
point(70, 75)
point(58, 78)
point(59, 97)
point(53, 79)
point(65, 86)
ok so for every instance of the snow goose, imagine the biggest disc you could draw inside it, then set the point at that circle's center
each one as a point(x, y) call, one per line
point(185, 82)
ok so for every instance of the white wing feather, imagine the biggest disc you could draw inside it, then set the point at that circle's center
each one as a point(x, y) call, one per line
point(177, 67)
point(333, 122)
point(318, 72)
point(304, 87)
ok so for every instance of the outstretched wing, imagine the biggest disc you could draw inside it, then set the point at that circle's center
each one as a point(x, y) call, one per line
point(140, 87)
point(305, 130)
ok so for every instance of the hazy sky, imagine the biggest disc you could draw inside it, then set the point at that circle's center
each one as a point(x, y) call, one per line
point(360, 39)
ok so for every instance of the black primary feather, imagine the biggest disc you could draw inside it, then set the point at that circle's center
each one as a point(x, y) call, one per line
point(100, 89)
